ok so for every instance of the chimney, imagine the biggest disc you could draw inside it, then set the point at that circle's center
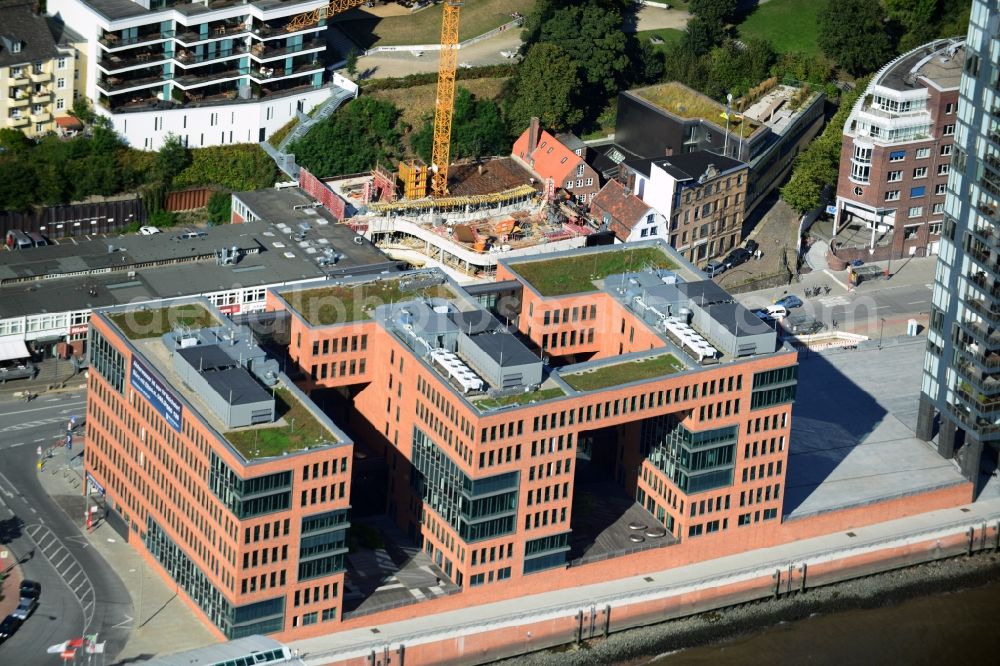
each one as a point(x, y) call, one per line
point(532, 135)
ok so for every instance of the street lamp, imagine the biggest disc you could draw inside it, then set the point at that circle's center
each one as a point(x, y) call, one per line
point(881, 328)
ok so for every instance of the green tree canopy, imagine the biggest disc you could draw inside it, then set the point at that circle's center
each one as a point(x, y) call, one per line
point(714, 11)
point(361, 134)
point(735, 69)
point(854, 34)
point(592, 36)
point(172, 158)
point(546, 85)
point(477, 130)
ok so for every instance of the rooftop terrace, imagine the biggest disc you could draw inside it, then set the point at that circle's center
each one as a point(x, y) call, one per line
point(684, 102)
point(577, 274)
point(623, 373)
point(141, 323)
point(295, 429)
point(340, 304)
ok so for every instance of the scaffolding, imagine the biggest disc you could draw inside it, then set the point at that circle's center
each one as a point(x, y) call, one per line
point(522, 193)
point(413, 174)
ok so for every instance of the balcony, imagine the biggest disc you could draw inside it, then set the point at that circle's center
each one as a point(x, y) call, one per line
point(40, 77)
point(982, 256)
point(20, 79)
point(187, 58)
point(191, 80)
point(983, 281)
point(41, 116)
point(222, 30)
point(989, 310)
point(989, 337)
point(262, 51)
point(117, 62)
point(115, 84)
point(113, 41)
point(41, 96)
point(264, 73)
point(986, 383)
point(19, 100)
point(973, 423)
point(17, 121)
point(977, 401)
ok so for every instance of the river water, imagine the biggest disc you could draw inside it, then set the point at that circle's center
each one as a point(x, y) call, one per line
point(961, 628)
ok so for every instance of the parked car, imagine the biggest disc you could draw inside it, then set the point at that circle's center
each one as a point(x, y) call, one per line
point(715, 267)
point(776, 312)
point(761, 313)
point(30, 589)
point(789, 302)
point(25, 608)
point(148, 231)
point(737, 257)
point(188, 235)
point(751, 246)
point(8, 627)
point(858, 262)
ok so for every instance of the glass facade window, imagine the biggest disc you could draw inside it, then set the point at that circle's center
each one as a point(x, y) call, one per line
point(107, 360)
point(693, 461)
point(475, 508)
point(247, 498)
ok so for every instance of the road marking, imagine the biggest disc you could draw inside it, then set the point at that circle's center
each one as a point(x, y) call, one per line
point(40, 533)
point(38, 409)
point(81, 541)
point(830, 301)
point(834, 278)
point(124, 623)
point(16, 445)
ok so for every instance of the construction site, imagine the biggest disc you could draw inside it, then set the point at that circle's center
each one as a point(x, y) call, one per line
point(461, 216)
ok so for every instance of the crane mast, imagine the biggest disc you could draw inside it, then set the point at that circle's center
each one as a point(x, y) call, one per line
point(444, 106)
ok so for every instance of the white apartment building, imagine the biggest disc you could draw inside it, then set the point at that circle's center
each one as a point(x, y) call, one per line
point(39, 73)
point(212, 72)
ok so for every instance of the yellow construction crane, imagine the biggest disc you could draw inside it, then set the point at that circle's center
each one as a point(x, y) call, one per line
point(303, 21)
point(444, 106)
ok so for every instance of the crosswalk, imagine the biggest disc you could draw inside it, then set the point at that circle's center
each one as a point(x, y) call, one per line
point(33, 424)
point(68, 568)
point(831, 301)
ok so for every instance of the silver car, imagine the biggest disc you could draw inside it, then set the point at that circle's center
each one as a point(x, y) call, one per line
point(25, 608)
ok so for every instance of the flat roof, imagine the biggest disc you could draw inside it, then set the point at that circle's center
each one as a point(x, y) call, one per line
point(165, 268)
point(220, 652)
point(122, 9)
point(691, 166)
point(504, 348)
point(852, 441)
point(237, 385)
point(940, 61)
point(684, 102)
point(207, 357)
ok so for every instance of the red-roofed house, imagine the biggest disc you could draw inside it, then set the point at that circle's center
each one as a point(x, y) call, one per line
point(547, 157)
point(628, 216)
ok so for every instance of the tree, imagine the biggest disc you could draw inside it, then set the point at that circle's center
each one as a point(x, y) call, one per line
point(361, 134)
point(172, 158)
point(853, 33)
point(219, 208)
point(477, 130)
point(735, 69)
point(701, 35)
point(17, 183)
point(14, 141)
point(352, 62)
point(714, 11)
point(593, 37)
point(912, 14)
point(546, 86)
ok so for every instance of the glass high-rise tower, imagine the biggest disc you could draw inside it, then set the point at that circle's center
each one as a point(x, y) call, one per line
point(961, 377)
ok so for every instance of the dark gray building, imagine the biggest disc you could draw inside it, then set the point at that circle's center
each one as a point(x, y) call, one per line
point(961, 379)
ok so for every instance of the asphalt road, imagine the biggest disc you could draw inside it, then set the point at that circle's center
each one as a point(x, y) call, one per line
point(81, 594)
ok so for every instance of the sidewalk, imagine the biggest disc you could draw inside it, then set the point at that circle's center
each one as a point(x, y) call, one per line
point(163, 622)
point(55, 372)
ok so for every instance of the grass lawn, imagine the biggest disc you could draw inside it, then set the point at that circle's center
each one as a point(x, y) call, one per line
point(152, 323)
point(573, 275)
point(622, 373)
point(521, 398)
point(424, 27)
point(670, 36)
point(418, 101)
point(300, 431)
point(788, 24)
point(336, 305)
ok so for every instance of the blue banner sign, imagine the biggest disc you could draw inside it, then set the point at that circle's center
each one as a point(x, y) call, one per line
point(150, 388)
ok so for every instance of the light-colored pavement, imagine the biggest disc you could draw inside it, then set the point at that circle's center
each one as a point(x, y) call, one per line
point(401, 63)
point(656, 18)
point(162, 622)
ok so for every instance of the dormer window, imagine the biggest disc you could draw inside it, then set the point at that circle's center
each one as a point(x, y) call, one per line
point(15, 47)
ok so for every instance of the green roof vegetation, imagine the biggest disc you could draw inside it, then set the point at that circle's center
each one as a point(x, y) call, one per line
point(299, 430)
point(153, 322)
point(574, 275)
point(521, 398)
point(324, 306)
point(623, 373)
point(682, 101)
